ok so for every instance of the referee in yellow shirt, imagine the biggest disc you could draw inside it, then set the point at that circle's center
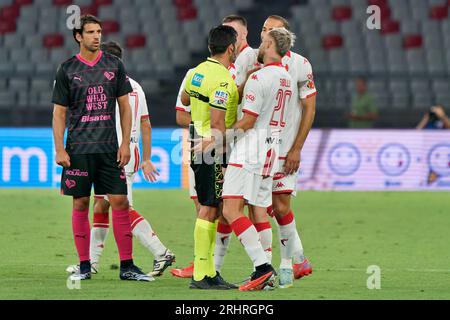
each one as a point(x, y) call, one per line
point(213, 97)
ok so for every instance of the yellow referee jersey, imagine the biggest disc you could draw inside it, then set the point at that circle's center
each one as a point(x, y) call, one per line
point(210, 85)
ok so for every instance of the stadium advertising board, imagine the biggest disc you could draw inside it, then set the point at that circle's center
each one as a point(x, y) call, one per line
point(376, 160)
point(27, 159)
point(359, 160)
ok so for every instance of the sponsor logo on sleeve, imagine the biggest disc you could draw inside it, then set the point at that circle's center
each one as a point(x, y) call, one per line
point(197, 79)
point(220, 98)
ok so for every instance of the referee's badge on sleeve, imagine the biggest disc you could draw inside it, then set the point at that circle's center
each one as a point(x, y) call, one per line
point(197, 80)
point(220, 98)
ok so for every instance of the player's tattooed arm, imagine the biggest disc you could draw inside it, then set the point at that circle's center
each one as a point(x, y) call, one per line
point(59, 126)
point(123, 155)
point(292, 163)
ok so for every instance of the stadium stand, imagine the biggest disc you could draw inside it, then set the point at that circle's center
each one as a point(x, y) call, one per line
point(407, 62)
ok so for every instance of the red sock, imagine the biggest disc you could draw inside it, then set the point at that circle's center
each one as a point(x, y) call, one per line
point(263, 226)
point(224, 228)
point(81, 233)
point(135, 218)
point(270, 211)
point(122, 233)
point(241, 225)
point(287, 219)
point(101, 220)
point(248, 236)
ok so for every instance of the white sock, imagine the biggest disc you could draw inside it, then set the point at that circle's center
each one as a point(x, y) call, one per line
point(266, 238)
point(99, 232)
point(98, 238)
point(290, 244)
point(247, 234)
point(144, 233)
point(223, 238)
point(299, 255)
point(286, 264)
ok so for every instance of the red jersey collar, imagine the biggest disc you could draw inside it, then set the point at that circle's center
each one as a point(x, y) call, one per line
point(275, 64)
point(245, 47)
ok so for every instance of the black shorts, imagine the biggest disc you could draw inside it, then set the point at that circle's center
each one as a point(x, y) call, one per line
point(208, 183)
point(208, 175)
point(99, 169)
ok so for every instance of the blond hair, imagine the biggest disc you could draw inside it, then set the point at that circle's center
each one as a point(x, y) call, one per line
point(284, 40)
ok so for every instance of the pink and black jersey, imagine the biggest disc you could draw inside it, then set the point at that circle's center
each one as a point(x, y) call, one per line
point(90, 91)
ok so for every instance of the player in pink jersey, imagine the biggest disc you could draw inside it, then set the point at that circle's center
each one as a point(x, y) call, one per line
point(88, 86)
point(140, 227)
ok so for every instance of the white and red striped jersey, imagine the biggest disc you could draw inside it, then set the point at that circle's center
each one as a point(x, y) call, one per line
point(267, 95)
point(301, 72)
point(139, 111)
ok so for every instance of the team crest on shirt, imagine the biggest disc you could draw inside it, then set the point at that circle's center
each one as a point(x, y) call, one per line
point(109, 75)
point(220, 98)
point(197, 79)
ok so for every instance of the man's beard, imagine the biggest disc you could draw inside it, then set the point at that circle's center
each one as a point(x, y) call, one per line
point(261, 57)
point(233, 57)
point(92, 48)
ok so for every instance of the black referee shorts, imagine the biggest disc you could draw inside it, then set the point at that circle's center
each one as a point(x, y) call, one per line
point(98, 169)
point(208, 175)
point(208, 183)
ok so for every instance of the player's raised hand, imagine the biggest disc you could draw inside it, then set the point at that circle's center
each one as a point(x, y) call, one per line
point(292, 162)
point(123, 155)
point(149, 171)
point(63, 159)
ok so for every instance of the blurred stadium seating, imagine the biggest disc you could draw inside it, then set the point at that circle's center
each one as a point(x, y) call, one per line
point(407, 62)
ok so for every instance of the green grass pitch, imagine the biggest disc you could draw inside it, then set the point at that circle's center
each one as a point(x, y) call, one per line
point(405, 234)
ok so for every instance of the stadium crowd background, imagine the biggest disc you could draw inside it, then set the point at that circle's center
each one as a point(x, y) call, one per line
point(406, 63)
